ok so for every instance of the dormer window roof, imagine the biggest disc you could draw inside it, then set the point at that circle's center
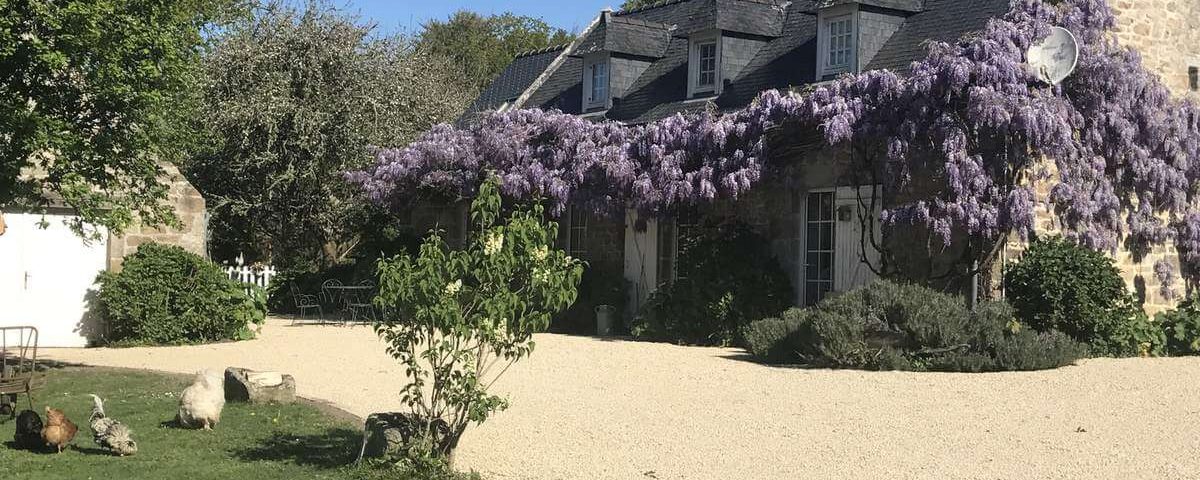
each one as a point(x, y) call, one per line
point(627, 36)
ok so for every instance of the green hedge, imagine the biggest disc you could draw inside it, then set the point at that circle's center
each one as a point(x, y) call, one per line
point(890, 326)
point(165, 295)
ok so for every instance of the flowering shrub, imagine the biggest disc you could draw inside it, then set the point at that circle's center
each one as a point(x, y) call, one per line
point(969, 119)
point(457, 320)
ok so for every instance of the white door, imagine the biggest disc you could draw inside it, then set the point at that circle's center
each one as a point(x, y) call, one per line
point(45, 277)
point(852, 209)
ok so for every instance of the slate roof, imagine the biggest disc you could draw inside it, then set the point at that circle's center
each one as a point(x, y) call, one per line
point(942, 20)
point(626, 35)
point(787, 57)
point(516, 78)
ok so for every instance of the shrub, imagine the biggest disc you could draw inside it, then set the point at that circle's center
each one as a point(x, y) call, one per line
point(889, 326)
point(774, 339)
point(166, 295)
point(727, 278)
point(1181, 328)
point(1058, 285)
point(457, 319)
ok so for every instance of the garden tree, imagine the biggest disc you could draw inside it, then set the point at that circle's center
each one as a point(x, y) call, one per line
point(292, 99)
point(634, 4)
point(458, 319)
point(93, 94)
point(483, 46)
point(955, 143)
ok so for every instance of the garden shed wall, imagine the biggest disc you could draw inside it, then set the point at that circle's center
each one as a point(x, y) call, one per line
point(192, 233)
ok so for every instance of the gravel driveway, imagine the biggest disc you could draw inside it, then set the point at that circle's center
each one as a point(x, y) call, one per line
point(585, 408)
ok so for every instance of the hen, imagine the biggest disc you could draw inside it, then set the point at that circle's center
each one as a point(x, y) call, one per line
point(109, 433)
point(201, 403)
point(59, 431)
point(29, 431)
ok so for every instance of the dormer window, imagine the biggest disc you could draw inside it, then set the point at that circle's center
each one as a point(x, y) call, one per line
point(596, 77)
point(704, 65)
point(707, 73)
point(599, 74)
point(837, 41)
point(840, 42)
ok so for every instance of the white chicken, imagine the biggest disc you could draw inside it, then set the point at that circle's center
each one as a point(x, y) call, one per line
point(201, 403)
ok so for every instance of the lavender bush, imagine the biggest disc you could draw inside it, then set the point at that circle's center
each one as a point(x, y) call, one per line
point(969, 119)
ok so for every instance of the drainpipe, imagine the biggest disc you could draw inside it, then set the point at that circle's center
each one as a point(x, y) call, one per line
point(973, 300)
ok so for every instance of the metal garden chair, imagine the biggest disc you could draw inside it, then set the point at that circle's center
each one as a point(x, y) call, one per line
point(19, 371)
point(358, 302)
point(329, 291)
point(306, 303)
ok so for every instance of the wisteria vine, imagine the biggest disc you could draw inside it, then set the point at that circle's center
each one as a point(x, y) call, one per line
point(969, 117)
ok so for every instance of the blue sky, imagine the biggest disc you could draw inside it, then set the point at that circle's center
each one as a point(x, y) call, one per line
point(408, 15)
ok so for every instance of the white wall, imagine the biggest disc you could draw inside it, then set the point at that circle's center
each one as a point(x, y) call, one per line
point(45, 277)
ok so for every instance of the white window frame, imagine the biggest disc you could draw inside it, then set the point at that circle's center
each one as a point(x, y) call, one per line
point(589, 65)
point(696, 42)
point(802, 278)
point(825, 18)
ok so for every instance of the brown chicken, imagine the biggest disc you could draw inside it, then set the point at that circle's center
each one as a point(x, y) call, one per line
point(59, 431)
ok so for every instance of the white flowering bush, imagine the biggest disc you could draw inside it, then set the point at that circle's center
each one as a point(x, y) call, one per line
point(458, 319)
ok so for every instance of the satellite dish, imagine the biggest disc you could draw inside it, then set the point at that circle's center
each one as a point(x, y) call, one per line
point(1054, 58)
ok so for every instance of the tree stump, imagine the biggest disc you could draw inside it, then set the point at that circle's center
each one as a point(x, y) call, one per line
point(245, 385)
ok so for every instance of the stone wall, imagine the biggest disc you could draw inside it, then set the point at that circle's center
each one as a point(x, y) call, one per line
point(1166, 33)
point(193, 232)
point(1137, 272)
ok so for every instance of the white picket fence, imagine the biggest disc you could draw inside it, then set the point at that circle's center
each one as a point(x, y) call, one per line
point(252, 275)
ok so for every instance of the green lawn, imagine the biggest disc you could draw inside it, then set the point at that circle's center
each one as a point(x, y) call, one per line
point(259, 442)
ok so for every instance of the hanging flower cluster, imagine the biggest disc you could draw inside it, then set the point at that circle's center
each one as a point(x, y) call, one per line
point(970, 119)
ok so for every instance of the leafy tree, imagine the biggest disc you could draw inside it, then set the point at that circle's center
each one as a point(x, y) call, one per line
point(293, 98)
point(458, 319)
point(93, 94)
point(483, 46)
point(632, 4)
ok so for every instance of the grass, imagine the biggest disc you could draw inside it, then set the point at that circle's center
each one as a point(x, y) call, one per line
point(252, 442)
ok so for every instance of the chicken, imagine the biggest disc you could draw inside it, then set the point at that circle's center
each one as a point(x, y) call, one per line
point(201, 403)
point(109, 433)
point(29, 431)
point(59, 431)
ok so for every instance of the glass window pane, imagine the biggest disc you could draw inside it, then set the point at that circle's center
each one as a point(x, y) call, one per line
point(826, 236)
point(811, 269)
point(826, 266)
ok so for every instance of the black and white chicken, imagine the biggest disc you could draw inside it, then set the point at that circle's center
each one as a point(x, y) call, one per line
point(109, 433)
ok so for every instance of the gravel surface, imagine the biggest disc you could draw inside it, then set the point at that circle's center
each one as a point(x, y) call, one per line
point(585, 408)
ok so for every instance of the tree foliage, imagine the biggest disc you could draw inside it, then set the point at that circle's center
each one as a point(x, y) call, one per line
point(293, 98)
point(484, 45)
point(457, 319)
point(956, 143)
point(93, 93)
point(635, 4)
